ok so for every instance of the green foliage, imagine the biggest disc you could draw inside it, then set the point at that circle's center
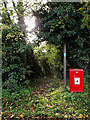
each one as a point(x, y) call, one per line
point(13, 56)
point(86, 9)
point(33, 68)
point(6, 16)
point(50, 60)
point(42, 59)
point(62, 23)
point(58, 103)
point(18, 61)
point(54, 56)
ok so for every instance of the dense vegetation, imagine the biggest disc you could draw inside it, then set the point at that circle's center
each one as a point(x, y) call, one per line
point(25, 65)
point(48, 100)
point(62, 23)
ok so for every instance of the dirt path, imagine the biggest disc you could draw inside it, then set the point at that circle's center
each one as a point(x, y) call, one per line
point(47, 85)
point(43, 86)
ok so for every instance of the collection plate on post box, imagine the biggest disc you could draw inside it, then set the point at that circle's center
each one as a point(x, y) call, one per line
point(77, 81)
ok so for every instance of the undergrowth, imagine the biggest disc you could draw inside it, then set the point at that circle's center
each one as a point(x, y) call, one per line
point(57, 103)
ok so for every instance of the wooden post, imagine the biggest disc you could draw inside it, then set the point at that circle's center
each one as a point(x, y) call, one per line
point(65, 64)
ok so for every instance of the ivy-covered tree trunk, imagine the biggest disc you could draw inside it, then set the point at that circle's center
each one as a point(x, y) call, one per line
point(20, 14)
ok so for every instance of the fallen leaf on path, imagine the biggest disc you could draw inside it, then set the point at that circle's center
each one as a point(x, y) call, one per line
point(2, 113)
point(80, 116)
point(32, 108)
point(12, 116)
point(21, 115)
point(66, 116)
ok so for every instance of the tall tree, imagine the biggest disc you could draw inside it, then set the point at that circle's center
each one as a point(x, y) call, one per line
point(16, 62)
point(61, 23)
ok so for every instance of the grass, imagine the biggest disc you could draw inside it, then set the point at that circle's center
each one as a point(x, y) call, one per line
point(54, 102)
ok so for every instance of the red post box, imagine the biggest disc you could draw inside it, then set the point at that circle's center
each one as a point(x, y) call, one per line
point(76, 80)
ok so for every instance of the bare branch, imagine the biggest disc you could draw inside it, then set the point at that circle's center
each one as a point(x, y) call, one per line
point(5, 5)
point(14, 6)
